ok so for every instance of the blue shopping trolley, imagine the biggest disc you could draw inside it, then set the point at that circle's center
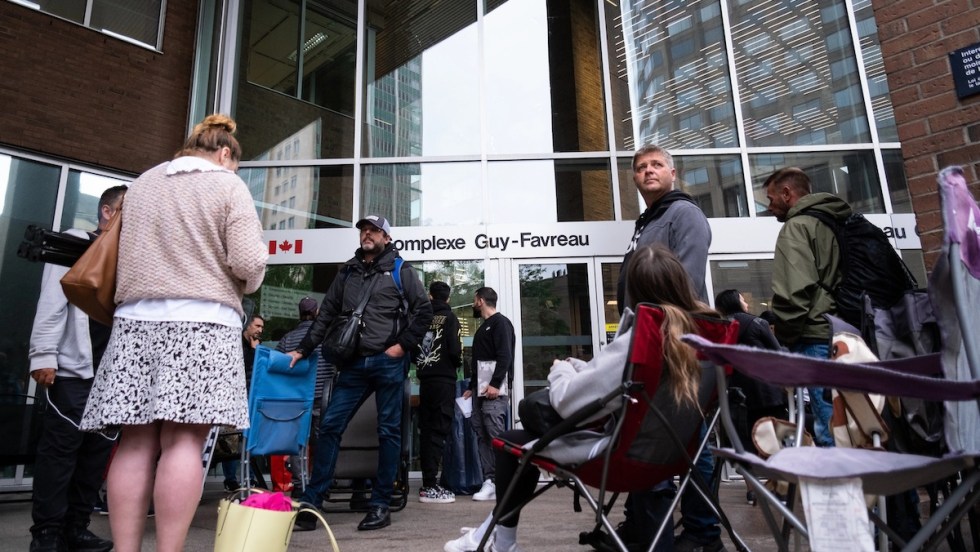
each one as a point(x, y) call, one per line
point(280, 408)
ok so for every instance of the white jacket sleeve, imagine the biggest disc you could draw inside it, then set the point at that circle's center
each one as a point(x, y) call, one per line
point(574, 383)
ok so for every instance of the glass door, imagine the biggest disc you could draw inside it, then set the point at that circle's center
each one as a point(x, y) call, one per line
point(559, 315)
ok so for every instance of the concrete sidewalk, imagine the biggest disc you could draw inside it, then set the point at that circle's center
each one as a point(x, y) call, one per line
point(549, 524)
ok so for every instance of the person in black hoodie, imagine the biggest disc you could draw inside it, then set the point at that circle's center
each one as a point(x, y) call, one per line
point(756, 399)
point(437, 358)
point(761, 399)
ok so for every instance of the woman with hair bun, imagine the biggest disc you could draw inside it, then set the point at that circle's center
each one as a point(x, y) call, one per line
point(191, 246)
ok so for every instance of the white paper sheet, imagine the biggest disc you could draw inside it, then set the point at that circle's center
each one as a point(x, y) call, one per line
point(465, 406)
point(837, 517)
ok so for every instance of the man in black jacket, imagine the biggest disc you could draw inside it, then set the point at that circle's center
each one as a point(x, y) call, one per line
point(387, 335)
point(437, 358)
point(493, 372)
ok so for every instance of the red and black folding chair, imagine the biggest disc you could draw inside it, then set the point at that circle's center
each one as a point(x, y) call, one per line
point(651, 436)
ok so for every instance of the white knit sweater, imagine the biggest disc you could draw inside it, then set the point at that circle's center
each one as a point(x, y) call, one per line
point(189, 235)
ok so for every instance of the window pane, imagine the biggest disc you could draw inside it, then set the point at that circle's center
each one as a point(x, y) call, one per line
point(423, 194)
point(898, 187)
point(544, 77)
point(671, 83)
point(71, 10)
point(751, 277)
point(556, 318)
point(273, 103)
point(28, 195)
point(797, 74)
point(610, 282)
point(715, 182)
point(137, 20)
point(422, 79)
point(81, 206)
point(874, 68)
point(563, 191)
point(849, 175)
point(309, 197)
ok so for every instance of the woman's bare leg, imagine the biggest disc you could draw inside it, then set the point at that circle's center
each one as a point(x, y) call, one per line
point(177, 491)
point(130, 482)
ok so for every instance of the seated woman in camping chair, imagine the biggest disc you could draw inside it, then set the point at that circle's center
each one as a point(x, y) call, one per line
point(655, 275)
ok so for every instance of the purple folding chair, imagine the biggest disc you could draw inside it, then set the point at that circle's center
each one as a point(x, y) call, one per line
point(952, 376)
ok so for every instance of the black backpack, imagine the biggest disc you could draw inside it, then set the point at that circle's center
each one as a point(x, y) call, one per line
point(869, 265)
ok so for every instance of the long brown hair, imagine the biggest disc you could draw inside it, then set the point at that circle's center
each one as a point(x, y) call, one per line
point(212, 134)
point(656, 275)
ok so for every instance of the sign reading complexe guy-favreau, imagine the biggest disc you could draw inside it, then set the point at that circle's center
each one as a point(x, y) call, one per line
point(535, 240)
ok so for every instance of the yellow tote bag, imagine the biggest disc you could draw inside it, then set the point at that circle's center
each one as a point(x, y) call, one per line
point(247, 529)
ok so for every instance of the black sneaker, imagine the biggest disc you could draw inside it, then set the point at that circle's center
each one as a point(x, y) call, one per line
point(101, 507)
point(305, 521)
point(687, 543)
point(603, 542)
point(48, 540)
point(79, 539)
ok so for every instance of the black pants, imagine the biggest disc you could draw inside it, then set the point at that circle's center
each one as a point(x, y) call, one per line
point(70, 463)
point(436, 402)
point(507, 465)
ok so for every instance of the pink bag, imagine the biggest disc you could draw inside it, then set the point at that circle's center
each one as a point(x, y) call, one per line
point(269, 501)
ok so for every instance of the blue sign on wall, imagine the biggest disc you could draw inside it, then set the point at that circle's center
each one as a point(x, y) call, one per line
point(966, 70)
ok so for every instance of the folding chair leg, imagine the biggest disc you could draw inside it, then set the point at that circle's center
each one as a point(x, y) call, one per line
point(768, 499)
point(956, 503)
point(790, 504)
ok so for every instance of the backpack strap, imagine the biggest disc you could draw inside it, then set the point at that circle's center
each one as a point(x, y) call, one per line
point(396, 275)
point(834, 226)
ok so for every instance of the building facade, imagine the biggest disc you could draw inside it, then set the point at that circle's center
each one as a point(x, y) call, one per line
point(496, 135)
point(920, 44)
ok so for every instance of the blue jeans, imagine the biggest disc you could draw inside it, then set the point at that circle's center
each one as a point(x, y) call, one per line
point(385, 377)
point(821, 408)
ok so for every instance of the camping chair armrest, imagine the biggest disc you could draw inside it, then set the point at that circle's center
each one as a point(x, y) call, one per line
point(573, 422)
point(773, 367)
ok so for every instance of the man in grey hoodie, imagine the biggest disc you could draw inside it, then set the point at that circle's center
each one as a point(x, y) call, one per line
point(673, 219)
point(66, 347)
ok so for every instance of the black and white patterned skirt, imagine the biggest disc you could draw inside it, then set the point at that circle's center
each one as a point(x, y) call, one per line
point(186, 372)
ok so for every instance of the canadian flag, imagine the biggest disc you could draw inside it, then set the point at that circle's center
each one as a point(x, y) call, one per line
point(285, 246)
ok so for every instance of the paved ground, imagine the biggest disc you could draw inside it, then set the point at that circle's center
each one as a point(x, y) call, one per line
point(547, 525)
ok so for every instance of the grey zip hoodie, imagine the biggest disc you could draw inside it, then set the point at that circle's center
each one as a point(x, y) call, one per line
point(60, 336)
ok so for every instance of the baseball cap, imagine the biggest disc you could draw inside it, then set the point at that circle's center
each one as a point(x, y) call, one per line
point(377, 221)
point(307, 305)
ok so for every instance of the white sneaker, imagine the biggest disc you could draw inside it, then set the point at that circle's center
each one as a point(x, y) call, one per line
point(466, 543)
point(513, 548)
point(487, 492)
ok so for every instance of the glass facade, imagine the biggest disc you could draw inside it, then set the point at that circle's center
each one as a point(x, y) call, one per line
point(498, 114)
point(498, 101)
point(48, 194)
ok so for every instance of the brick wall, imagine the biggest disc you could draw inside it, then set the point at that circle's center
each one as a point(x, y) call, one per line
point(935, 127)
point(72, 92)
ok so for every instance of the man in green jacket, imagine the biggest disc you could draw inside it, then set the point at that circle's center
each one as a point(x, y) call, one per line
point(805, 267)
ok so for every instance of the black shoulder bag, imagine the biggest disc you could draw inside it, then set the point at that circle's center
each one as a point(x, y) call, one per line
point(344, 334)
